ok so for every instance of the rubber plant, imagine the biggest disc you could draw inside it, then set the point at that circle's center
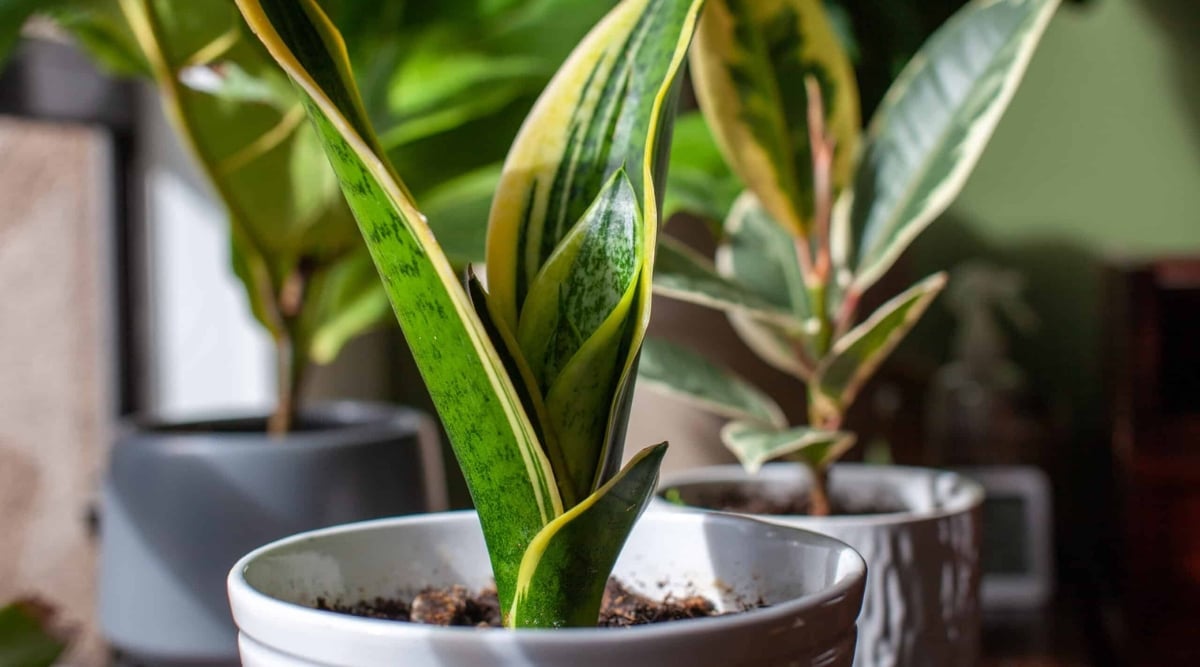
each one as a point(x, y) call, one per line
point(531, 376)
point(446, 83)
point(821, 219)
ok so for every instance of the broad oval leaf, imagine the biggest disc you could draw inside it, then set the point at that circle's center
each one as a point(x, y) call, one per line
point(749, 65)
point(558, 584)
point(678, 371)
point(754, 444)
point(682, 273)
point(856, 355)
point(493, 439)
point(27, 638)
point(934, 123)
point(761, 256)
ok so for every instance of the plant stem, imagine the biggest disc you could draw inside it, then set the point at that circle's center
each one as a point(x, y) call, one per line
point(818, 495)
point(291, 349)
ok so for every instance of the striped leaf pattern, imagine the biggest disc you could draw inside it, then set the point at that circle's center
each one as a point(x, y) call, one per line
point(559, 196)
point(749, 67)
point(754, 444)
point(534, 404)
point(492, 436)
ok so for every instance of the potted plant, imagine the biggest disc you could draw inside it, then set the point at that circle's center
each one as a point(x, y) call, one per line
point(820, 221)
point(183, 500)
point(532, 376)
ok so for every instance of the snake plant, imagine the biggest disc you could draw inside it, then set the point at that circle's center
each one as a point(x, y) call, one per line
point(821, 219)
point(532, 375)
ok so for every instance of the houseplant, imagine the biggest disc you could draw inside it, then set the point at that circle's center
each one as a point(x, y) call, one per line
point(173, 489)
point(820, 221)
point(531, 377)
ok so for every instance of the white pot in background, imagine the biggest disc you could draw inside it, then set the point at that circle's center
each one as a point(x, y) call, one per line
point(922, 602)
point(814, 585)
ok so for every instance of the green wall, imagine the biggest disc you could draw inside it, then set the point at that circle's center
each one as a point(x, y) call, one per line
point(1097, 158)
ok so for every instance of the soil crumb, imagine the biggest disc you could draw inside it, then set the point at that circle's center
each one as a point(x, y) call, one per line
point(457, 606)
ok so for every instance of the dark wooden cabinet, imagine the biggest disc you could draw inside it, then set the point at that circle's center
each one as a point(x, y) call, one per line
point(1154, 360)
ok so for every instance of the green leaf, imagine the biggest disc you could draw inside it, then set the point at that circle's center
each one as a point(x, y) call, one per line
point(934, 123)
point(699, 182)
point(609, 108)
point(558, 584)
point(573, 327)
point(678, 371)
point(621, 83)
point(349, 299)
point(244, 125)
point(25, 638)
point(458, 213)
point(754, 445)
point(496, 445)
point(761, 256)
point(682, 273)
point(749, 66)
point(856, 356)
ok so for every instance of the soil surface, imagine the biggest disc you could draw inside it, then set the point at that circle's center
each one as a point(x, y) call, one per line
point(746, 502)
point(457, 606)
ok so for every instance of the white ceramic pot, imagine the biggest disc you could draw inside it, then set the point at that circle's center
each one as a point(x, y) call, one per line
point(814, 585)
point(922, 600)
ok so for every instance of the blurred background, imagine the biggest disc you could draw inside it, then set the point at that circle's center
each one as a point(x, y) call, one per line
point(1074, 253)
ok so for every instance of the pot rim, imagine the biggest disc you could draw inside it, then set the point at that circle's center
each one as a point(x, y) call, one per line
point(342, 420)
point(968, 497)
point(242, 593)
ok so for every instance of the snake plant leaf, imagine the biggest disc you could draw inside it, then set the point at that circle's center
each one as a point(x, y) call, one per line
point(856, 355)
point(558, 585)
point(573, 329)
point(677, 371)
point(492, 436)
point(699, 182)
point(749, 66)
point(684, 274)
point(25, 639)
point(608, 109)
point(754, 444)
point(934, 123)
point(604, 110)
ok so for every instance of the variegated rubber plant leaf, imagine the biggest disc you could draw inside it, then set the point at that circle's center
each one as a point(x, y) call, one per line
point(753, 444)
point(856, 355)
point(749, 67)
point(759, 255)
point(934, 123)
point(496, 404)
point(552, 218)
point(677, 371)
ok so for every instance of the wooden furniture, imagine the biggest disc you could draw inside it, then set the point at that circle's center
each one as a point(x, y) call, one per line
point(1155, 368)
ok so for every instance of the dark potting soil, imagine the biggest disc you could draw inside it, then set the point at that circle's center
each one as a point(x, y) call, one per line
point(457, 606)
point(746, 502)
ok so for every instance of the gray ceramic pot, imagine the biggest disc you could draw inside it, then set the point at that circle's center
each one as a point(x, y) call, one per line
point(182, 502)
point(922, 600)
point(813, 583)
